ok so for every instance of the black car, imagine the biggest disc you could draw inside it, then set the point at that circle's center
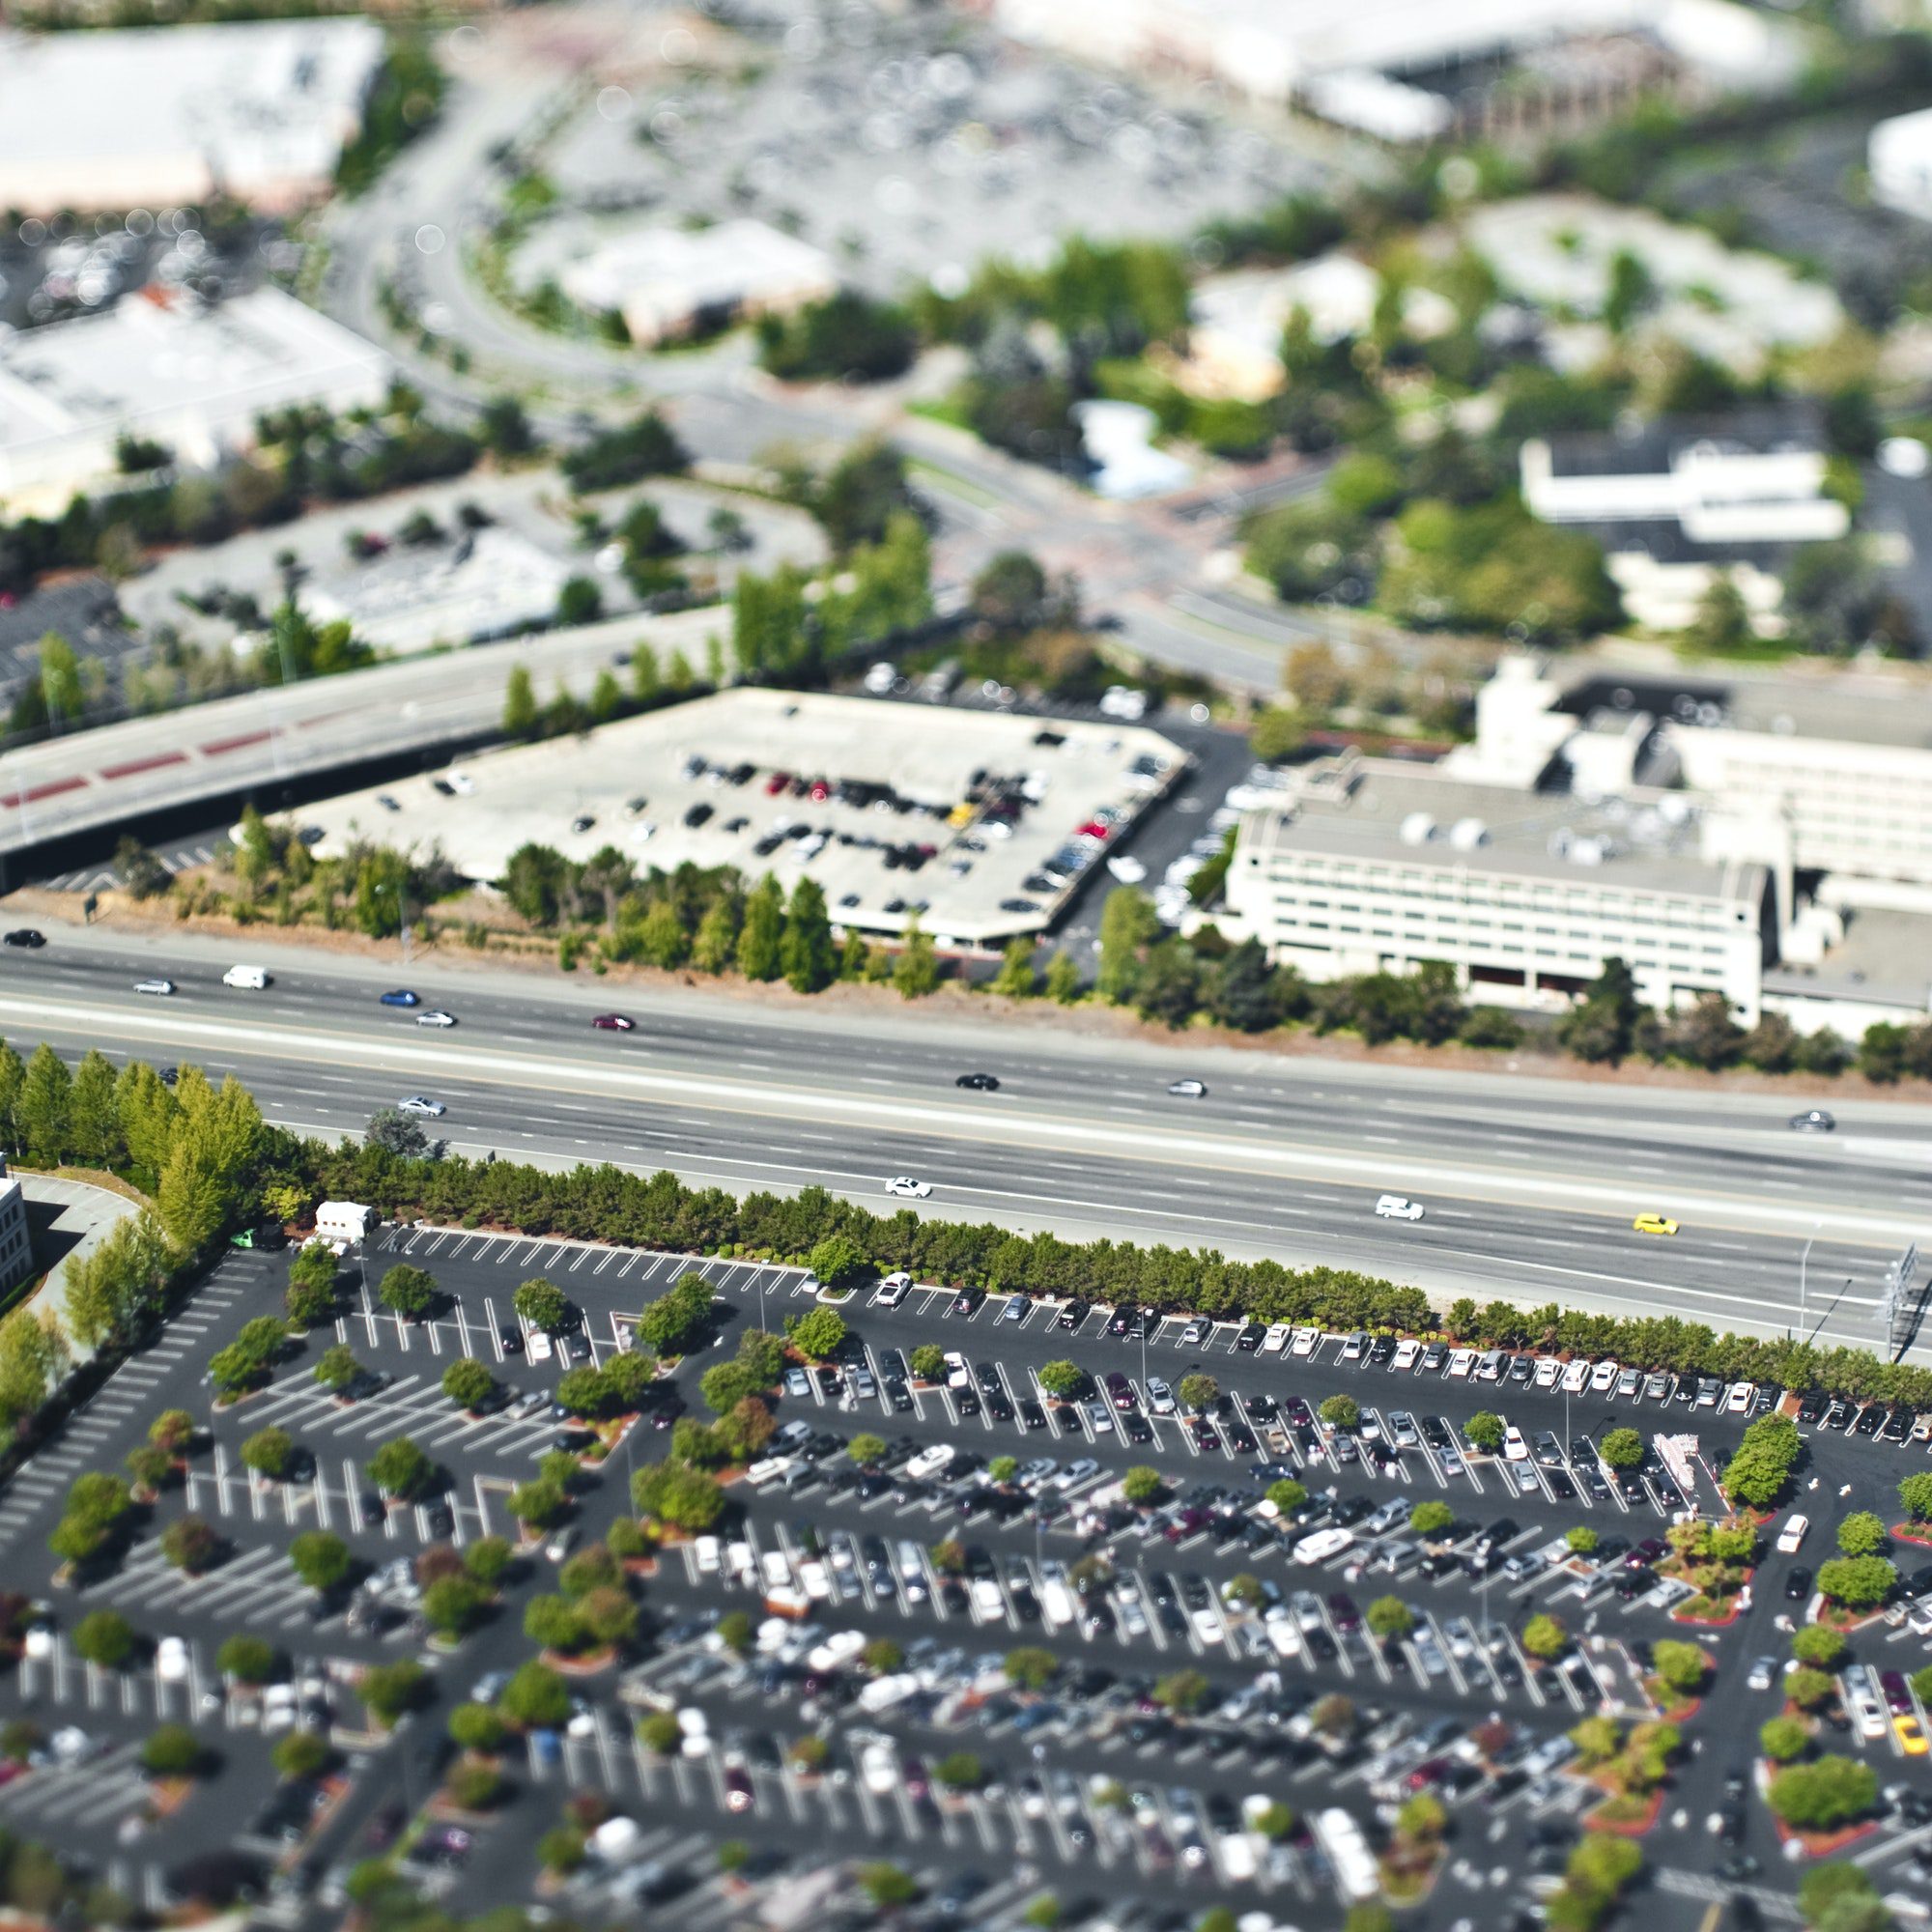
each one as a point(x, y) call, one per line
point(23, 935)
point(1250, 1338)
point(1897, 1425)
point(1871, 1419)
point(698, 815)
point(1810, 1407)
point(1032, 1416)
point(967, 1301)
point(511, 1338)
point(1798, 1585)
point(1073, 1313)
point(978, 1083)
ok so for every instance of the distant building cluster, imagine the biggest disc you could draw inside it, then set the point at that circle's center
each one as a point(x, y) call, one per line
point(1411, 70)
point(1675, 505)
point(1765, 840)
point(257, 111)
point(165, 367)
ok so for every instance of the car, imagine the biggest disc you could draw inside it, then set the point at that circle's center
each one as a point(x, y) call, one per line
point(1654, 1224)
point(171, 1660)
point(398, 996)
point(436, 1017)
point(906, 1188)
point(24, 935)
point(160, 986)
point(1396, 1207)
point(1160, 1397)
point(1182, 1090)
point(612, 1023)
point(1812, 1121)
point(1910, 1733)
point(1763, 1673)
point(1793, 1533)
point(1798, 1585)
point(978, 1083)
point(421, 1104)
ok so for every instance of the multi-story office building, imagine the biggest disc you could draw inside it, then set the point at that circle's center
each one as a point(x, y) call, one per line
point(16, 1243)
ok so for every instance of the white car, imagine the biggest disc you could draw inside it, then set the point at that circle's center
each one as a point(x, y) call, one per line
point(1188, 1090)
point(1740, 1398)
point(1604, 1378)
point(1576, 1376)
point(1515, 1448)
point(1546, 1372)
point(436, 1017)
point(1319, 1545)
point(162, 986)
point(419, 1104)
point(171, 1660)
point(1276, 1338)
point(1792, 1535)
point(1127, 869)
point(907, 1188)
point(460, 781)
point(1398, 1208)
point(1160, 1397)
point(879, 1769)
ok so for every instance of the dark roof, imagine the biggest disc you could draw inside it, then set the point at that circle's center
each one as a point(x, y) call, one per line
point(1647, 450)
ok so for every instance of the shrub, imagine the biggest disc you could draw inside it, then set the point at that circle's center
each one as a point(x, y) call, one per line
point(1819, 1646)
point(321, 1560)
point(300, 1754)
point(1827, 1792)
point(1784, 1738)
point(477, 1727)
point(248, 1660)
point(1862, 1534)
point(105, 1638)
point(172, 1751)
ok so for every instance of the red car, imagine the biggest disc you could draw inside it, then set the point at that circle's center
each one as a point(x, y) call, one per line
point(1092, 829)
point(777, 783)
point(612, 1023)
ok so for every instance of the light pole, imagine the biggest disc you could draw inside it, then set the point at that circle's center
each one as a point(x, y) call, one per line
point(1802, 1260)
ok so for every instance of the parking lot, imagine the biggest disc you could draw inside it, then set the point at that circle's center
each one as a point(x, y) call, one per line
point(956, 1558)
point(973, 823)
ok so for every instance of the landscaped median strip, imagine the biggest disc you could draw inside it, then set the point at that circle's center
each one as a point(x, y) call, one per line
point(723, 1095)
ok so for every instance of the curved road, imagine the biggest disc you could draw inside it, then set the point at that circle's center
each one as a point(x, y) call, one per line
point(1530, 1184)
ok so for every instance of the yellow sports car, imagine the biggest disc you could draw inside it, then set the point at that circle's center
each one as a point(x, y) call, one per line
point(1910, 1735)
point(1655, 1224)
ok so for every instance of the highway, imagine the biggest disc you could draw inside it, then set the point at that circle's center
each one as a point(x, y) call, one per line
point(1530, 1184)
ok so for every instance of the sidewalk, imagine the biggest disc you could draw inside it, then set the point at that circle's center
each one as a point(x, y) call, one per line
point(68, 1218)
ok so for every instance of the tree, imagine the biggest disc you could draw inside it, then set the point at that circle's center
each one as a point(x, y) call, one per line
point(538, 1505)
point(1784, 1738)
point(400, 1468)
point(658, 1732)
point(542, 1304)
point(1432, 1518)
point(477, 1727)
point(247, 1660)
point(321, 1559)
point(190, 1543)
point(811, 963)
point(1819, 1645)
point(337, 1370)
point(1287, 1494)
point(400, 1134)
point(1915, 1497)
point(928, 1363)
point(1862, 1534)
point(535, 1697)
point(171, 1751)
point(915, 973)
point(1341, 1412)
point(105, 1638)
point(1582, 1540)
point(269, 1452)
point(1031, 1667)
point(1762, 1466)
point(172, 1432)
point(1859, 1582)
point(867, 1450)
point(561, 1850)
point(761, 936)
point(1621, 1448)
point(1142, 1484)
point(886, 1885)
point(1681, 1666)
point(1199, 1392)
point(1827, 1792)
point(452, 1604)
point(468, 1384)
point(1128, 925)
point(521, 712)
point(554, 1624)
point(1064, 1380)
point(835, 1260)
point(1183, 1692)
point(1390, 1618)
point(1062, 979)
point(408, 1291)
point(961, 1771)
point(487, 1559)
point(1808, 1689)
point(391, 1691)
point(300, 1754)
point(1016, 979)
point(1543, 1637)
point(817, 1334)
point(579, 601)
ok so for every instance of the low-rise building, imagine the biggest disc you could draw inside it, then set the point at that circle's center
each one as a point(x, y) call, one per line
point(257, 111)
point(163, 366)
point(1675, 505)
point(1375, 867)
point(17, 1240)
point(667, 282)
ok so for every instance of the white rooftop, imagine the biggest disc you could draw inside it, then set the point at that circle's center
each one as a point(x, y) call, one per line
point(153, 115)
point(165, 365)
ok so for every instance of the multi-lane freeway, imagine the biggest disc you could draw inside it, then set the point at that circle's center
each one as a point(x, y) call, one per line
point(1529, 1184)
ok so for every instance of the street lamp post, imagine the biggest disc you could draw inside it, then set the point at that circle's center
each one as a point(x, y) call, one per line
point(1802, 1260)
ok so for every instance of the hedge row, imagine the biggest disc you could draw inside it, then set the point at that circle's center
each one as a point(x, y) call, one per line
point(605, 1203)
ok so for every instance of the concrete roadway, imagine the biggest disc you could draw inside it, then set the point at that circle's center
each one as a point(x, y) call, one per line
point(1530, 1184)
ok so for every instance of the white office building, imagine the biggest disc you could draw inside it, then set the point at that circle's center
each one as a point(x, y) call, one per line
point(164, 365)
point(1677, 504)
point(259, 111)
point(1375, 867)
point(16, 1243)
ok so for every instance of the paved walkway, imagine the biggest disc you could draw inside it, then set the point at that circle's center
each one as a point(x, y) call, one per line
point(70, 1220)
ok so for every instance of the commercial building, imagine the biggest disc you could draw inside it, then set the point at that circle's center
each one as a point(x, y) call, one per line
point(1898, 162)
point(667, 282)
point(1375, 867)
point(1412, 70)
point(16, 1241)
point(163, 365)
point(257, 111)
point(1676, 504)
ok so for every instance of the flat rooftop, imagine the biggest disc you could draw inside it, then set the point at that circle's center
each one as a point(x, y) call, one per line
point(908, 770)
point(1649, 844)
point(1852, 706)
point(1885, 956)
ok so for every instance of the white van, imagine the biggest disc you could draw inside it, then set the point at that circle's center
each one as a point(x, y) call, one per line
point(254, 977)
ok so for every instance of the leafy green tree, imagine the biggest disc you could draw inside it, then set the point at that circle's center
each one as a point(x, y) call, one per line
point(468, 1384)
point(1862, 1534)
point(401, 1469)
point(1198, 1391)
point(535, 1697)
point(1621, 1448)
point(1783, 1739)
point(1545, 1638)
point(1582, 1540)
point(190, 1542)
point(1681, 1666)
point(451, 1606)
point(835, 1260)
point(1287, 1494)
point(172, 1432)
point(1016, 979)
point(1127, 927)
point(408, 1291)
point(247, 1660)
point(658, 1732)
point(818, 1334)
point(269, 1452)
point(105, 1638)
point(1390, 1618)
point(542, 1304)
point(478, 1728)
point(1818, 1644)
point(961, 1771)
point(887, 1886)
point(1062, 979)
point(1822, 1794)
point(928, 1363)
point(1183, 1692)
point(1859, 1582)
point(1430, 1518)
point(1061, 1380)
point(916, 971)
point(1341, 1411)
point(171, 1751)
point(391, 1690)
point(300, 1754)
point(521, 712)
point(1031, 1667)
point(538, 1505)
point(867, 1450)
point(488, 1558)
point(337, 1370)
point(1915, 1496)
point(760, 948)
point(810, 964)
point(1142, 1484)
point(321, 1559)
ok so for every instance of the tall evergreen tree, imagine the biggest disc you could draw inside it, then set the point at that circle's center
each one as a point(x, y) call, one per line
point(809, 959)
point(762, 940)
